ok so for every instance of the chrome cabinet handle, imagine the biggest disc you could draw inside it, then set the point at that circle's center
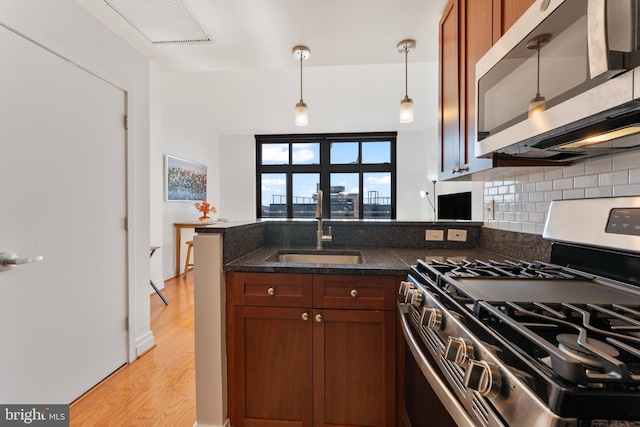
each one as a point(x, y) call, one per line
point(305, 316)
point(354, 293)
point(460, 170)
point(271, 291)
point(9, 260)
point(319, 318)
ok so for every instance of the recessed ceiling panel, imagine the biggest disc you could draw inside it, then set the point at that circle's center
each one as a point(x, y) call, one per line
point(162, 21)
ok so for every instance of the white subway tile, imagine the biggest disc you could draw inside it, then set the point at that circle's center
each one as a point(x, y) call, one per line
point(563, 184)
point(553, 174)
point(553, 195)
point(574, 170)
point(598, 165)
point(577, 193)
point(510, 198)
point(544, 186)
point(515, 226)
point(510, 216)
point(536, 197)
point(529, 187)
point(503, 189)
point(585, 181)
point(529, 227)
point(543, 207)
point(536, 217)
point(614, 178)
point(492, 190)
point(515, 207)
point(528, 207)
point(599, 192)
point(536, 177)
point(634, 176)
point(522, 216)
point(540, 228)
point(626, 190)
point(522, 197)
point(626, 161)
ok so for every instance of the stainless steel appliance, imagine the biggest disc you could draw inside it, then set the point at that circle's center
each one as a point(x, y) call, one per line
point(581, 57)
point(517, 343)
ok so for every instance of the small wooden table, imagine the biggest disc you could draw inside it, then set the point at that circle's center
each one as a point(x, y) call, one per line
point(179, 226)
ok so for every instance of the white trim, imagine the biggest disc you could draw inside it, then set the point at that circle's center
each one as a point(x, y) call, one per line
point(144, 343)
point(227, 423)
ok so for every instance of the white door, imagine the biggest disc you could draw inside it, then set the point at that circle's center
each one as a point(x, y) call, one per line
point(62, 196)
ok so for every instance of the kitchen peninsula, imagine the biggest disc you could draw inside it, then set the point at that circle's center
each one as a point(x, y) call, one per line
point(236, 254)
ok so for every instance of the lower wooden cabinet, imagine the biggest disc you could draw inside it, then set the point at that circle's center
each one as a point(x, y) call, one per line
point(312, 366)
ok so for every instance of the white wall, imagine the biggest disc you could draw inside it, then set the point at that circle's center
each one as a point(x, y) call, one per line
point(212, 117)
point(64, 28)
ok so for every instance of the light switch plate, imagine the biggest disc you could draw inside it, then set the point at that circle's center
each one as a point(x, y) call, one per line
point(457, 235)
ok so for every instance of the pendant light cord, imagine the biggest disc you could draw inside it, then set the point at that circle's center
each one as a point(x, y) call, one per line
point(301, 58)
point(406, 72)
point(538, 79)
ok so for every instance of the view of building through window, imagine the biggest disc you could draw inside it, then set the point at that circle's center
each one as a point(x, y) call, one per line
point(356, 175)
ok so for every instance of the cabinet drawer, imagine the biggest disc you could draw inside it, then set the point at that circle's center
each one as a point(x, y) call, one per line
point(272, 290)
point(354, 292)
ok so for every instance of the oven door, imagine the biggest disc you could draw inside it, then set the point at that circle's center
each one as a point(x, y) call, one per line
point(428, 400)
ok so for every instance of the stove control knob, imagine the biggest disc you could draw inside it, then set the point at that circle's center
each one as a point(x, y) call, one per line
point(416, 298)
point(405, 287)
point(409, 295)
point(459, 351)
point(483, 377)
point(432, 318)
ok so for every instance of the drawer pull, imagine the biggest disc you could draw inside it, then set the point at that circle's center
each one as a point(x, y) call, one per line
point(305, 316)
point(319, 318)
point(354, 293)
point(271, 291)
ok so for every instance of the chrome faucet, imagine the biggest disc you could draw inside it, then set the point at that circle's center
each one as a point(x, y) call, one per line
point(320, 237)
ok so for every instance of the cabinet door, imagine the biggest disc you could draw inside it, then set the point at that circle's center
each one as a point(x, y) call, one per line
point(272, 383)
point(354, 368)
point(450, 88)
point(506, 13)
point(476, 41)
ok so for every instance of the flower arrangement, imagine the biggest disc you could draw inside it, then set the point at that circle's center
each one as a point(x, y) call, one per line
point(204, 207)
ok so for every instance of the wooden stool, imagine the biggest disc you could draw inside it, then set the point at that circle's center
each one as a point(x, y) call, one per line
point(187, 264)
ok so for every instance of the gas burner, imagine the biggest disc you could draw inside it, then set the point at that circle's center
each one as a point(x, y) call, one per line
point(589, 357)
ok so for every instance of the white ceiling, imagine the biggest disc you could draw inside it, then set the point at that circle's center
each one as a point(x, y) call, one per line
point(259, 34)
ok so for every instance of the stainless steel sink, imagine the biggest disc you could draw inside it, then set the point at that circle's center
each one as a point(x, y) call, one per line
point(317, 257)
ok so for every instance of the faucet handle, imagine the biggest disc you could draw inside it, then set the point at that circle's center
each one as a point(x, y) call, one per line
point(329, 231)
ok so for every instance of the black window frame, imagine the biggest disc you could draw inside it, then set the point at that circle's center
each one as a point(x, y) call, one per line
point(325, 168)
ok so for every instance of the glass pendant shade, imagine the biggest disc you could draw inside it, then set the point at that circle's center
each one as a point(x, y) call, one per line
point(302, 114)
point(537, 105)
point(406, 110)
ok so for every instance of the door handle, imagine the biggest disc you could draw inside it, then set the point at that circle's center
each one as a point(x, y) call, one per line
point(9, 260)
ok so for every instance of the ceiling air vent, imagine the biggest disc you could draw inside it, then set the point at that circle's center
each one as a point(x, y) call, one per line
point(162, 21)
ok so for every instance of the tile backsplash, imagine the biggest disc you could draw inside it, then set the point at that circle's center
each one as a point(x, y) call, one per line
point(520, 202)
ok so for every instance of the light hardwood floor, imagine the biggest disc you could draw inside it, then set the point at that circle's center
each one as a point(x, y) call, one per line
point(158, 389)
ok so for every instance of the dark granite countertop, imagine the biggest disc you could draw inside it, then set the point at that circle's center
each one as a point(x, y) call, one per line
point(377, 261)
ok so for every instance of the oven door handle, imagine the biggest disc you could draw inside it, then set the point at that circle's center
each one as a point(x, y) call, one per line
point(448, 399)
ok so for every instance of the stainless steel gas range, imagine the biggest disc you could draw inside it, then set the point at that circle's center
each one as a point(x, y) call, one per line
point(519, 343)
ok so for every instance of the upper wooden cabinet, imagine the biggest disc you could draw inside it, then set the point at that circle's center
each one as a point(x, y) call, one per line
point(468, 29)
point(505, 13)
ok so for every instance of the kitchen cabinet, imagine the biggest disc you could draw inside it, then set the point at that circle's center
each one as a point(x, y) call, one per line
point(506, 13)
point(466, 34)
point(311, 350)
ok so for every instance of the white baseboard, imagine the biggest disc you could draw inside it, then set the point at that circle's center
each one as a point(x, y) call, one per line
point(169, 274)
point(227, 423)
point(144, 343)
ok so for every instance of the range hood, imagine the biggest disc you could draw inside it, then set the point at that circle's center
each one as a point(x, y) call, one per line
point(584, 73)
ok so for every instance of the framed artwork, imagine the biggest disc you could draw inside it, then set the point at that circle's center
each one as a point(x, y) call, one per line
point(185, 180)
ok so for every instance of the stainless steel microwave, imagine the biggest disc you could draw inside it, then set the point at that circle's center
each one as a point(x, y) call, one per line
point(559, 85)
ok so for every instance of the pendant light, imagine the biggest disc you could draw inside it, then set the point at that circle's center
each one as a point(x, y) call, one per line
point(538, 104)
point(302, 113)
point(406, 104)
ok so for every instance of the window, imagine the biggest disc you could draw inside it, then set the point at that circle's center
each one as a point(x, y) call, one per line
point(356, 173)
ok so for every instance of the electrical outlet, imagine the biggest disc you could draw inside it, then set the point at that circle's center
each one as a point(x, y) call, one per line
point(434, 235)
point(457, 235)
point(489, 208)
